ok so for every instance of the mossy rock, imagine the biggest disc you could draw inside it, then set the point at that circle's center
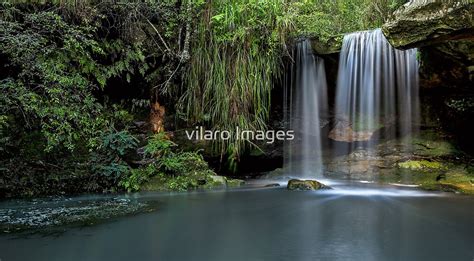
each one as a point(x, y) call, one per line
point(431, 143)
point(420, 23)
point(421, 165)
point(328, 46)
point(296, 184)
point(233, 183)
point(164, 182)
point(440, 176)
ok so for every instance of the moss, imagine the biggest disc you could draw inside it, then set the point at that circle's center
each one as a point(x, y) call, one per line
point(423, 22)
point(460, 179)
point(327, 46)
point(434, 148)
point(431, 143)
point(231, 183)
point(196, 180)
point(296, 184)
point(421, 165)
point(156, 183)
point(435, 176)
point(456, 180)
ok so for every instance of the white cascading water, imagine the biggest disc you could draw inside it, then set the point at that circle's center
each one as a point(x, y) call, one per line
point(377, 87)
point(376, 96)
point(307, 111)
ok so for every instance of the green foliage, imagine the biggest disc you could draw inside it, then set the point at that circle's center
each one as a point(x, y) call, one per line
point(118, 142)
point(461, 105)
point(108, 159)
point(236, 59)
point(58, 60)
point(53, 69)
point(326, 19)
point(174, 170)
point(181, 183)
point(182, 163)
point(137, 177)
point(158, 145)
point(237, 52)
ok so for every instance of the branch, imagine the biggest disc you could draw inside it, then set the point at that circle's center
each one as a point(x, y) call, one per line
point(185, 54)
point(158, 33)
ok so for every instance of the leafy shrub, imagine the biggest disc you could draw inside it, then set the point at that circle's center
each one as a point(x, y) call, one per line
point(108, 160)
point(175, 170)
point(158, 145)
point(133, 181)
point(53, 67)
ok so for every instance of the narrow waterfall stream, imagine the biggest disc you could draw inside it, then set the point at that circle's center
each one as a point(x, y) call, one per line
point(308, 111)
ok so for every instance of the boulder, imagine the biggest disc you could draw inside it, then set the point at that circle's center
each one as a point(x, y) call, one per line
point(233, 183)
point(297, 184)
point(343, 131)
point(218, 180)
point(419, 23)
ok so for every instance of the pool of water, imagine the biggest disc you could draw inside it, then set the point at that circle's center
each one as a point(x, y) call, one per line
point(361, 223)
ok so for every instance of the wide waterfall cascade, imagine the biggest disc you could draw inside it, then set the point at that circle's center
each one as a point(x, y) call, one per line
point(377, 89)
point(307, 110)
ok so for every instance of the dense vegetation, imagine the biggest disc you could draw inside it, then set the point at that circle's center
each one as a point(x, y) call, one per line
point(77, 76)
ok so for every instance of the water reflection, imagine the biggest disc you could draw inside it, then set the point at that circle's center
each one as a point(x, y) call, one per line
point(271, 224)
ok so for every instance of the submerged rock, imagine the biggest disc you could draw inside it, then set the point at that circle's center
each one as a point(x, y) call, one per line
point(272, 185)
point(297, 184)
point(58, 212)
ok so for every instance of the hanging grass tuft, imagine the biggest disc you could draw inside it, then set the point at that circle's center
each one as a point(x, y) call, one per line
point(236, 59)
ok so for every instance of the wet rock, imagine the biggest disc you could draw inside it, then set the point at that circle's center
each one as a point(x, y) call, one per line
point(272, 185)
point(427, 160)
point(343, 131)
point(329, 46)
point(57, 212)
point(232, 183)
point(354, 169)
point(443, 32)
point(218, 180)
point(421, 165)
point(296, 184)
point(420, 23)
point(140, 124)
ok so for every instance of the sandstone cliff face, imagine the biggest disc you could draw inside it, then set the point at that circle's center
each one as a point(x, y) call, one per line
point(443, 32)
point(421, 22)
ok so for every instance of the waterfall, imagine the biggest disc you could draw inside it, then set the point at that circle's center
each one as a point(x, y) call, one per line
point(377, 89)
point(306, 104)
point(376, 98)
